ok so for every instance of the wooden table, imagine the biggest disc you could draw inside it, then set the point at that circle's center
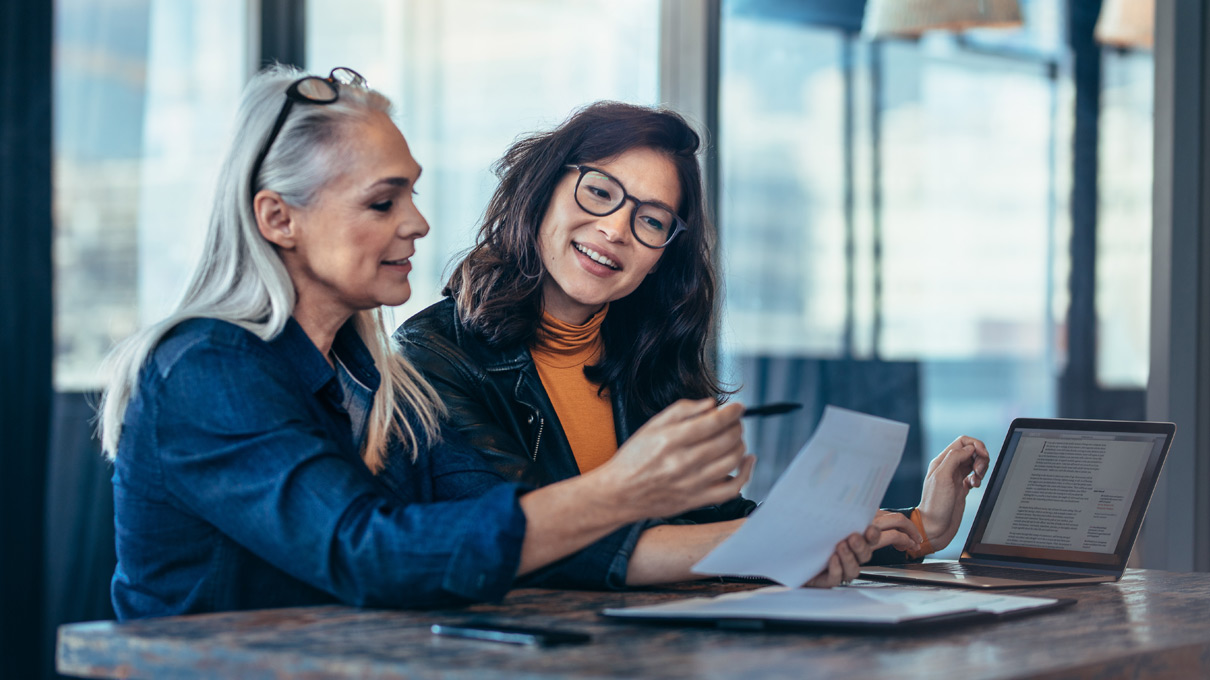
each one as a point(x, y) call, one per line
point(1152, 624)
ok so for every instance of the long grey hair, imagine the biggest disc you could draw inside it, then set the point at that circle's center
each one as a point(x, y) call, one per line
point(242, 280)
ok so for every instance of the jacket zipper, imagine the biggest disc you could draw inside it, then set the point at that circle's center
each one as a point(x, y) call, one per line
point(538, 441)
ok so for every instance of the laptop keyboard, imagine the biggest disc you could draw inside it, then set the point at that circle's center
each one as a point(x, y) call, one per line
point(991, 572)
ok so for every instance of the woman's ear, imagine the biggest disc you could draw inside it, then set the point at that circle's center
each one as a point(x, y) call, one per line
point(274, 219)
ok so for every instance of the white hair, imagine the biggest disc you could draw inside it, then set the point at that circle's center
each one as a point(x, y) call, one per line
point(241, 278)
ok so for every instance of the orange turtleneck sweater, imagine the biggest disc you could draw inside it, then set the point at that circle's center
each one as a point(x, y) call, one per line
point(560, 355)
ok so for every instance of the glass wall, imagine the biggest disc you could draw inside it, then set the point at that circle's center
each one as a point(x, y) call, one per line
point(144, 94)
point(895, 224)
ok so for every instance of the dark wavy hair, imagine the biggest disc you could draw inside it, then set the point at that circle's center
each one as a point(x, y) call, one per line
point(655, 338)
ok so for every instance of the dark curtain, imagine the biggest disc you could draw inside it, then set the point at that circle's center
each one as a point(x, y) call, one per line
point(79, 521)
point(890, 389)
point(26, 333)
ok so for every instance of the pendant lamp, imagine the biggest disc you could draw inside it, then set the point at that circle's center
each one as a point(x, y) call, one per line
point(1126, 23)
point(910, 18)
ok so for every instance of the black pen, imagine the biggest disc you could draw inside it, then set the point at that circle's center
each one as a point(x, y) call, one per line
point(771, 409)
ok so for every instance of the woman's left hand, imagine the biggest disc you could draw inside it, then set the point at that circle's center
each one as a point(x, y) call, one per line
point(845, 563)
point(953, 473)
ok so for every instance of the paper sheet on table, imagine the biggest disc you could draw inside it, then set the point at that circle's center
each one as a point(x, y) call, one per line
point(831, 489)
point(854, 605)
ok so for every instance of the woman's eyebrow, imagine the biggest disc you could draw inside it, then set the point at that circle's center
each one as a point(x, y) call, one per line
point(654, 201)
point(660, 203)
point(401, 182)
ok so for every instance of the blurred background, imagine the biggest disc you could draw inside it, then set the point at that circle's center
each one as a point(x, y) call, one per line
point(945, 222)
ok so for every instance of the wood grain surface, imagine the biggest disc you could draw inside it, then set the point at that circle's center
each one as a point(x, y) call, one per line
point(1152, 624)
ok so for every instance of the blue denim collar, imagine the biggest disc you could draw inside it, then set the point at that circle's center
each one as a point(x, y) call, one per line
point(313, 367)
point(356, 356)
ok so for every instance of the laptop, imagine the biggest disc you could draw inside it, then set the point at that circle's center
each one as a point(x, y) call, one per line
point(1063, 506)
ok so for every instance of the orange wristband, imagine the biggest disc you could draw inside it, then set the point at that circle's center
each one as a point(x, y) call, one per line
point(925, 547)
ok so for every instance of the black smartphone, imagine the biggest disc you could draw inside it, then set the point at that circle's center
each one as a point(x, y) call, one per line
point(516, 635)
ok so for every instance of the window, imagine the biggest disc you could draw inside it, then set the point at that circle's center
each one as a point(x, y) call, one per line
point(895, 219)
point(144, 95)
point(1123, 287)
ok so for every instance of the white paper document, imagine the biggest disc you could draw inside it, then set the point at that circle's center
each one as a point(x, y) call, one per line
point(830, 490)
point(837, 605)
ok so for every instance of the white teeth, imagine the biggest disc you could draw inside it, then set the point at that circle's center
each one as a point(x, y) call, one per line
point(595, 256)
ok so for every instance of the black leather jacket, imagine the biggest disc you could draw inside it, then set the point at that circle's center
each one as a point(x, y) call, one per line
point(495, 398)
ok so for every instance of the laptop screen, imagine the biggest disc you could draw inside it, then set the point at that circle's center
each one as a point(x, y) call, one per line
point(1069, 493)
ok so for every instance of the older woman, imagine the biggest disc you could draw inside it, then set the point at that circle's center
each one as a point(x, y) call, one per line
point(585, 306)
point(271, 447)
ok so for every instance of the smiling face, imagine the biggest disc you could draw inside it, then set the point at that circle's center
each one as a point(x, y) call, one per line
point(593, 260)
point(348, 250)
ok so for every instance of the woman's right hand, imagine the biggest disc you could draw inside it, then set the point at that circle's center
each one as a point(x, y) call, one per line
point(845, 563)
point(680, 460)
point(897, 530)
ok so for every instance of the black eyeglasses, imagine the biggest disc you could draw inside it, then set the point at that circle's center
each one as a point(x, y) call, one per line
point(309, 90)
point(599, 193)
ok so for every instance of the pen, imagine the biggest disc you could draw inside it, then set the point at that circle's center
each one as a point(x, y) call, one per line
point(771, 409)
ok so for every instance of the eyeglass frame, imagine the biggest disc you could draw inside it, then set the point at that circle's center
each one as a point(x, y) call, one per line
point(294, 94)
point(677, 221)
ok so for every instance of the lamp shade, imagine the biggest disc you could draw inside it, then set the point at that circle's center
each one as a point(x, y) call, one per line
point(1126, 23)
point(910, 18)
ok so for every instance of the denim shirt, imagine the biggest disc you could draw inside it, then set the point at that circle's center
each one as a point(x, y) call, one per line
point(238, 484)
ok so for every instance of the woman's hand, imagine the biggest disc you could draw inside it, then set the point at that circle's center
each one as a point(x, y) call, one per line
point(953, 473)
point(897, 531)
point(845, 563)
point(679, 460)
